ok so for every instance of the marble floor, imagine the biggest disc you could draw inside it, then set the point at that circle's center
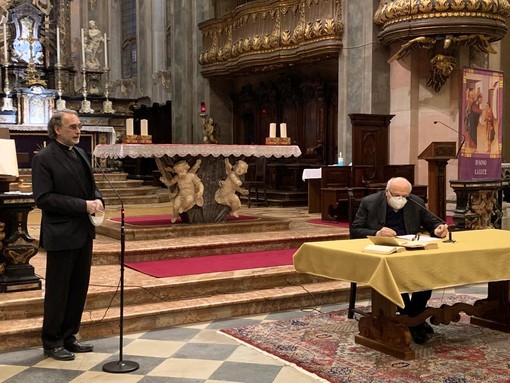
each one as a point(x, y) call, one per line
point(189, 354)
point(195, 353)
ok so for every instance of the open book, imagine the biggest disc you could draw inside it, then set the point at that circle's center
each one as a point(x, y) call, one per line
point(383, 249)
point(403, 242)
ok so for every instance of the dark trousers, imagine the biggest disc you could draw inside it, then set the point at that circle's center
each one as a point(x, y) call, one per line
point(415, 304)
point(67, 283)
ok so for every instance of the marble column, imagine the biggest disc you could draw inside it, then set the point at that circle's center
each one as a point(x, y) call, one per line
point(363, 75)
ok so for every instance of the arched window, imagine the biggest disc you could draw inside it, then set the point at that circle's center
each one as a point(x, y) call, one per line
point(128, 45)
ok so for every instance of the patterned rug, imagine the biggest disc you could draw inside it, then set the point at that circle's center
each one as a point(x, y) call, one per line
point(323, 344)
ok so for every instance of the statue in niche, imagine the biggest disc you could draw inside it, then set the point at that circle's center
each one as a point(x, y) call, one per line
point(93, 45)
point(210, 131)
point(226, 193)
point(186, 188)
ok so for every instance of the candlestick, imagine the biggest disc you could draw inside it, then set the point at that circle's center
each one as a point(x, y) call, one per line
point(58, 46)
point(6, 58)
point(272, 130)
point(144, 129)
point(105, 51)
point(83, 46)
point(129, 127)
point(283, 130)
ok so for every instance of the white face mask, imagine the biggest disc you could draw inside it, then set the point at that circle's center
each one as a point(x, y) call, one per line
point(98, 218)
point(397, 203)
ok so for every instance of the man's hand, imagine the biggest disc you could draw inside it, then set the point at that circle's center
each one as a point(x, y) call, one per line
point(386, 232)
point(94, 206)
point(441, 230)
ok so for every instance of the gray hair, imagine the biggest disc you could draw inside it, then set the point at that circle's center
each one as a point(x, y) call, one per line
point(56, 120)
point(401, 180)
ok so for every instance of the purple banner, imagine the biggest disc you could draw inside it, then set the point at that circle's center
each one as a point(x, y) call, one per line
point(481, 121)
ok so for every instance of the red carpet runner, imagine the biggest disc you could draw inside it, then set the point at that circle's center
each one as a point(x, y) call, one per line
point(164, 219)
point(214, 263)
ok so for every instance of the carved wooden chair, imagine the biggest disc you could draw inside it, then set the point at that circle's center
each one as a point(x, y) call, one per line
point(354, 203)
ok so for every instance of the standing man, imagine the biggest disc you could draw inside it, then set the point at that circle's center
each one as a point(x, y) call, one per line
point(65, 191)
point(388, 213)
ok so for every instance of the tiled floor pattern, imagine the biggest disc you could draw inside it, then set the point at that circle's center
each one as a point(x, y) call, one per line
point(189, 354)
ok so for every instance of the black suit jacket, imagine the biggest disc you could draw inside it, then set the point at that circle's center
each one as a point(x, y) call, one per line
point(61, 195)
point(371, 216)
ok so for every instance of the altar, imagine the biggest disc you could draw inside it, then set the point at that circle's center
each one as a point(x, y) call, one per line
point(211, 169)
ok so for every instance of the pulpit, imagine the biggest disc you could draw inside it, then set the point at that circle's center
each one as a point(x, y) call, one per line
point(17, 247)
point(437, 155)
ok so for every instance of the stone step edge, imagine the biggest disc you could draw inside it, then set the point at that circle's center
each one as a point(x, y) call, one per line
point(26, 333)
point(179, 288)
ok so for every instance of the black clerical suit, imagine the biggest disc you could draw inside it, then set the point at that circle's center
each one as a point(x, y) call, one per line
point(62, 181)
point(374, 213)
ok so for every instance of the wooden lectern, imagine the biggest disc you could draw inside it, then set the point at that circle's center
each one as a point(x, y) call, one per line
point(437, 155)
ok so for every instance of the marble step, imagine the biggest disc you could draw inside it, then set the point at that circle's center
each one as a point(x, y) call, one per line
point(156, 195)
point(122, 184)
point(176, 288)
point(98, 323)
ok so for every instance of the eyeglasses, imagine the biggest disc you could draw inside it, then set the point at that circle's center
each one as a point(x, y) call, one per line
point(73, 126)
point(395, 195)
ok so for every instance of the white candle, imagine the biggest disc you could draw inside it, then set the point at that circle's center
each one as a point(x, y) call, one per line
point(58, 46)
point(83, 46)
point(144, 129)
point(272, 130)
point(129, 127)
point(283, 130)
point(105, 51)
point(5, 44)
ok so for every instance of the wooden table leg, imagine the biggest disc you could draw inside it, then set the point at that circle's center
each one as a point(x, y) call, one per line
point(382, 331)
point(496, 319)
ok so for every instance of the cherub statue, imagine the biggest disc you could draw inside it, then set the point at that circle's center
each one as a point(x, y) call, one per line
point(189, 189)
point(226, 193)
point(209, 131)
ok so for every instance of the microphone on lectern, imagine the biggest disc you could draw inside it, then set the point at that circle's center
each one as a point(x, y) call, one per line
point(456, 131)
point(449, 240)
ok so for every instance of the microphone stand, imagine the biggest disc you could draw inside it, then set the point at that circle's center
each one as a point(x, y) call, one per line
point(450, 239)
point(456, 131)
point(121, 365)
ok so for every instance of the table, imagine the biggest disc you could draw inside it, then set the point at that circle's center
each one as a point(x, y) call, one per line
point(313, 178)
point(477, 256)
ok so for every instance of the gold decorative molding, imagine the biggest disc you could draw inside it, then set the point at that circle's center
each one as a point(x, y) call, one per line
point(263, 35)
point(441, 26)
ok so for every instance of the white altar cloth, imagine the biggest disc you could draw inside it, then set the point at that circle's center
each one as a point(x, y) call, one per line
point(85, 128)
point(183, 150)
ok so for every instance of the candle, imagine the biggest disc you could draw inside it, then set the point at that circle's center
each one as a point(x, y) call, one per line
point(129, 127)
point(105, 51)
point(6, 58)
point(83, 46)
point(272, 130)
point(283, 130)
point(58, 46)
point(144, 129)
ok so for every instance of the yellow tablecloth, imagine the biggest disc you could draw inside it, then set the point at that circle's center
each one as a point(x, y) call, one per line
point(476, 256)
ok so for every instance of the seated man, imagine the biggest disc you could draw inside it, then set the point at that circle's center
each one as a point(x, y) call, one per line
point(387, 213)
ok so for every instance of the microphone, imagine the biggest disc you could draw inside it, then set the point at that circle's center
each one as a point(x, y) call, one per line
point(456, 131)
point(449, 240)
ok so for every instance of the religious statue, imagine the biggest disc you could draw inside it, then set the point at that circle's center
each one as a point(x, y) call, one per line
point(226, 193)
point(93, 40)
point(186, 188)
point(210, 131)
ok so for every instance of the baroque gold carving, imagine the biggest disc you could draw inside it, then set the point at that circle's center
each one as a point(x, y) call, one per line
point(264, 29)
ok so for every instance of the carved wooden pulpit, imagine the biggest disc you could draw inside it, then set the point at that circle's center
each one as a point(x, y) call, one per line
point(437, 155)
